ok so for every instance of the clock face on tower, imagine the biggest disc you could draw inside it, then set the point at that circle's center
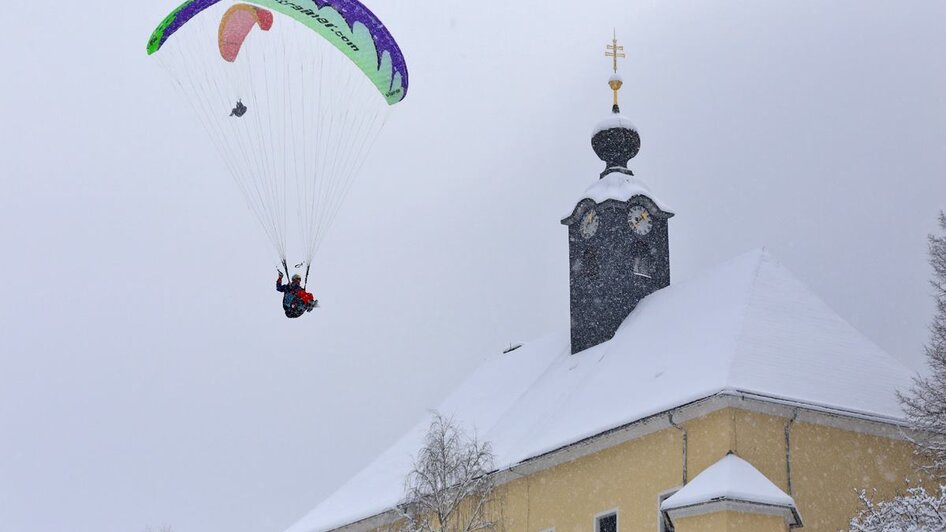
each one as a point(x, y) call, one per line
point(589, 224)
point(640, 220)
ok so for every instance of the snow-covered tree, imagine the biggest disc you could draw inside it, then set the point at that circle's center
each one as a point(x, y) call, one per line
point(916, 511)
point(925, 407)
point(450, 488)
point(925, 404)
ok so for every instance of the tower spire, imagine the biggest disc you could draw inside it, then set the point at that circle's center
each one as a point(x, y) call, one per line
point(615, 139)
point(615, 51)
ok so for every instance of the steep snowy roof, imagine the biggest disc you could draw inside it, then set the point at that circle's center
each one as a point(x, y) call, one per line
point(746, 326)
point(734, 479)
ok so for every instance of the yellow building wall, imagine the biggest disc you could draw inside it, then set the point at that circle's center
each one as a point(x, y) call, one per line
point(730, 521)
point(829, 465)
point(625, 478)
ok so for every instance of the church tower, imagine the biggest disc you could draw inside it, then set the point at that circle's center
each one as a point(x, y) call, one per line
point(618, 240)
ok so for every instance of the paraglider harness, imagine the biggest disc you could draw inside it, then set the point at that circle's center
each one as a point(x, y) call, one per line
point(298, 301)
point(239, 110)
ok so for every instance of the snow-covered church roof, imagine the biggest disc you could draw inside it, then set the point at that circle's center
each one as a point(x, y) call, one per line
point(747, 326)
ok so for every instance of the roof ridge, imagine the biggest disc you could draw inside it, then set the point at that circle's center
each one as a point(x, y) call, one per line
point(761, 255)
point(815, 297)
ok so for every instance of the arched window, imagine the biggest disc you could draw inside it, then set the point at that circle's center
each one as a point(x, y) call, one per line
point(642, 261)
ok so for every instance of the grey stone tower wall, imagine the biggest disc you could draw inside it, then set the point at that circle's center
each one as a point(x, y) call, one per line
point(604, 287)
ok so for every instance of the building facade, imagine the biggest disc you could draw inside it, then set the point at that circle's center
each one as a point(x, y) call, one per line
point(735, 401)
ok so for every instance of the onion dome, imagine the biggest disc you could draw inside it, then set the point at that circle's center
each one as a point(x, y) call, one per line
point(615, 139)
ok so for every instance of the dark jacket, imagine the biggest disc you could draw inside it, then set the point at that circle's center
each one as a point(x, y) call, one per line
point(288, 287)
point(292, 301)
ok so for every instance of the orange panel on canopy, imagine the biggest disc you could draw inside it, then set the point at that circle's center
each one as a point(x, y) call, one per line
point(236, 24)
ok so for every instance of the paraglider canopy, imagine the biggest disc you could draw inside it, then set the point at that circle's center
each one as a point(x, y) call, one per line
point(236, 25)
point(293, 94)
point(347, 24)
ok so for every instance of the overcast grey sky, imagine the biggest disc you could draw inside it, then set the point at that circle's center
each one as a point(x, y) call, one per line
point(147, 374)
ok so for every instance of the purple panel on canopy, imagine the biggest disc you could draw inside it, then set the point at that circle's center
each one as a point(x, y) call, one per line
point(354, 11)
point(188, 12)
point(351, 10)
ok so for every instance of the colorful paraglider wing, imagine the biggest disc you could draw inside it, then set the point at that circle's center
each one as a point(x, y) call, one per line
point(347, 24)
point(236, 24)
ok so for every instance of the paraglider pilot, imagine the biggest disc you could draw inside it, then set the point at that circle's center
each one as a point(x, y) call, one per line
point(295, 301)
point(239, 110)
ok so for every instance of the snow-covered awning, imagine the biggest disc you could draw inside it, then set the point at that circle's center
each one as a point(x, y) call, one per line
point(732, 484)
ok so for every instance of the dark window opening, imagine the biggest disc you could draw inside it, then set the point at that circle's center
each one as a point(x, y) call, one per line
point(642, 266)
point(642, 261)
point(607, 523)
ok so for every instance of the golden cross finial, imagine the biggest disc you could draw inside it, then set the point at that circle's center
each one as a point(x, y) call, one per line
point(614, 51)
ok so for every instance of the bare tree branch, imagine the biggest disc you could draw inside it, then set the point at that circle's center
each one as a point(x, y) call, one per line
point(925, 407)
point(925, 404)
point(451, 474)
